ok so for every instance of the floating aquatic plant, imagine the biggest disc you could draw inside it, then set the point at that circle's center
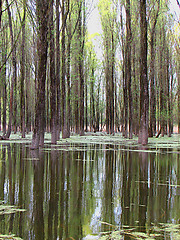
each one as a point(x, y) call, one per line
point(9, 209)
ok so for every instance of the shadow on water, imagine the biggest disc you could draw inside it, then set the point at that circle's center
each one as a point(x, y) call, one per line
point(84, 190)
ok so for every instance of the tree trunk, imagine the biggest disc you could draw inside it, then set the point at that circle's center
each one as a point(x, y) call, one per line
point(178, 98)
point(86, 103)
point(23, 74)
point(28, 112)
point(112, 81)
point(135, 91)
point(128, 64)
point(152, 126)
point(58, 69)
point(81, 33)
point(144, 95)
point(69, 78)
point(53, 86)
point(63, 69)
point(3, 77)
point(42, 21)
point(13, 79)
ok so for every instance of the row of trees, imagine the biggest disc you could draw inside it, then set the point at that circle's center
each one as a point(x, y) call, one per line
point(52, 80)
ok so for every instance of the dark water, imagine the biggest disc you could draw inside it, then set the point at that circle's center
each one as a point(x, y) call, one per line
point(68, 193)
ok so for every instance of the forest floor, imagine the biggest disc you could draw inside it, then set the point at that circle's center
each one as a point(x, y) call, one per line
point(154, 143)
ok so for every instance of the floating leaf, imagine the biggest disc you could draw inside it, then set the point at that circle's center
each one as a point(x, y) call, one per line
point(8, 209)
point(10, 236)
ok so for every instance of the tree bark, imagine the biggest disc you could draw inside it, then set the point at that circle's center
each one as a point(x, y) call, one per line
point(42, 20)
point(58, 69)
point(81, 33)
point(53, 86)
point(152, 124)
point(13, 79)
point(23, 73)
point(144, 95)
point(69, 78)
point(63, 69)
point(178, 76)
point(3, 77)
point(128, 64)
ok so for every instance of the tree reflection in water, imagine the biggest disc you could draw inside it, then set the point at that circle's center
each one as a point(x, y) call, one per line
point(68, 193)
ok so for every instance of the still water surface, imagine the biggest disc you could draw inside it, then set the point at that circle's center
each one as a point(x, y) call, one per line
point(71, 191)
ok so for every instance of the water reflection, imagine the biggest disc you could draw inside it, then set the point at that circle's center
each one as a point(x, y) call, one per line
point(68, 193)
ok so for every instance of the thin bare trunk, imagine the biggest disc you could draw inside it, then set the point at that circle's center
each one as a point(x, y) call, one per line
point(23, 74)
point(42, 19)
point(58, 69)
point(144, 96)
point(52, 79)
point(13, 79)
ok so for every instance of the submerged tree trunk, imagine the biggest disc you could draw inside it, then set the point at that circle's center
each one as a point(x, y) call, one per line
point(42, 20)
point(144, 95)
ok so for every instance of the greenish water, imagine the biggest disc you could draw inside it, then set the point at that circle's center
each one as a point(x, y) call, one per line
point(78, 191)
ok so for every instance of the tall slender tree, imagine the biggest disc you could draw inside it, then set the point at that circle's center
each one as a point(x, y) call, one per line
point(13, 79)
point(152, 120)
point(42, 11)
point(128, 64)
point(53, 86)
point(23, 72)
point(63, 69)
point(144, 94)
point(58, 117)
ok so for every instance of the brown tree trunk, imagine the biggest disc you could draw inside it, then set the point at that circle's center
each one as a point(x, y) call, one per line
point(3, 77)
point(135, 92)
point(144, 95)
point(27, 96)
point(23, 74)
point(13, 79)
point(58, 69)
point(69, 78)
point(81, 33)
point(124, 111)
point(86, 103)
point(112, 81)
point(152, 124)
point(128, 64)
point(53, 86)
point(179, 102)
point(42, 21)
point(178, 77)
point(63, 73)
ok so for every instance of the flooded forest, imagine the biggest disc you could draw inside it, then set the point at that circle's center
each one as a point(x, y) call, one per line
point(89, 119)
